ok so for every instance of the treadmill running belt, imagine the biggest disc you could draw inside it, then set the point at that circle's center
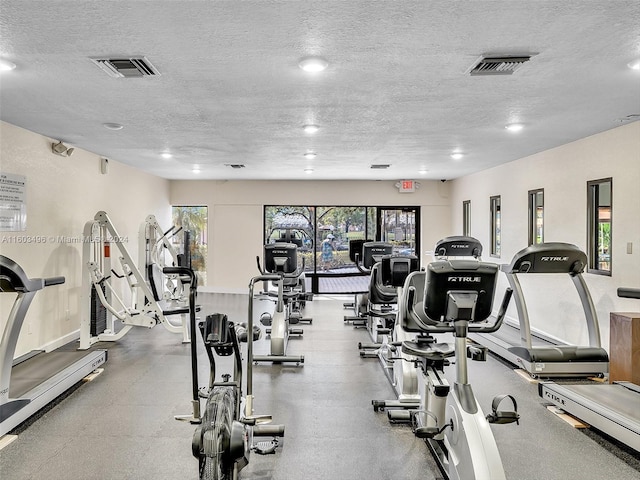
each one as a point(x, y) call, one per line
point(624, 402)
point(32, 372)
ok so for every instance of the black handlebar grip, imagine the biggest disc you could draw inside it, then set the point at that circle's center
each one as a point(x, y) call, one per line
point(53, 281)
point(626, 292)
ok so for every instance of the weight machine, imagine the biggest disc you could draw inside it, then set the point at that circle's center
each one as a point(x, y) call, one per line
point(156, 251)
point(102, 306)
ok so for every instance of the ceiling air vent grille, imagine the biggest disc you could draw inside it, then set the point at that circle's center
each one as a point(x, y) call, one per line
point(235, 165)
point(380, 166)
point(498, 65)
point(128, 67)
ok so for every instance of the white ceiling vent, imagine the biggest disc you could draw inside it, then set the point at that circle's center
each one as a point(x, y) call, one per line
point(380, 166)
point(129, 67)
point(498, 64)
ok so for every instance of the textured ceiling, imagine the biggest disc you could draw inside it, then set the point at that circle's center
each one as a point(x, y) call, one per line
point(396, 90)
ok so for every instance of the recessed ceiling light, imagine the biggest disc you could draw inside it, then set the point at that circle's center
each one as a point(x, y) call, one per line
point(313, 64)
point(514, 127)
point(423, 171)
point(635, 65)
point(112, 126)
point(6, 65)
point(166, 155)
point(457, 155)
point(311, 129)
point(309, 155)
point(196, 169)
point(308, 170)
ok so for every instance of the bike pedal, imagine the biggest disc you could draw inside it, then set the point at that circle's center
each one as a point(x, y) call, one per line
point(477, 353)
point(266, 448)
point(502, 417)
point(426, 432)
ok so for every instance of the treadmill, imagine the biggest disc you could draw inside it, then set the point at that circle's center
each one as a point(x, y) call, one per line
point(611, 408)
point(538, 356)
point(34, 380)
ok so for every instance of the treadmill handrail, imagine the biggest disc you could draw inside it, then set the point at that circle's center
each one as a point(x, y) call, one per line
point(53, 281)
point(14, 277)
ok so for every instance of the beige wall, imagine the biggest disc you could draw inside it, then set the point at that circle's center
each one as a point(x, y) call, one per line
point(236, 210)
point(62, 195)
point(563, 172)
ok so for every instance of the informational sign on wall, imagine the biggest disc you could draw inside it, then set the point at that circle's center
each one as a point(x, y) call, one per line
point(13, 202)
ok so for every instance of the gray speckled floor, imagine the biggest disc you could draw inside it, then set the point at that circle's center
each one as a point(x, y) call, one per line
point(121, 425)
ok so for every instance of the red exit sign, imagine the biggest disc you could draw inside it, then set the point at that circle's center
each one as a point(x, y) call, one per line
point(407, 186)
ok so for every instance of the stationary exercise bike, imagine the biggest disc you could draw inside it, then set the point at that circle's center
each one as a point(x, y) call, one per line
point(394, 273)
point(397, 366)
point(280, 259)
point(453, 296)
point(374, 310)
point(223, 439)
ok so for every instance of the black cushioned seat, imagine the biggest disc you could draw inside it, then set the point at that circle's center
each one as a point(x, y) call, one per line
point(430, 351)
point(380, 294)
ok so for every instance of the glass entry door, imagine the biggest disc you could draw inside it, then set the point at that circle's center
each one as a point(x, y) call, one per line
point(399, 226)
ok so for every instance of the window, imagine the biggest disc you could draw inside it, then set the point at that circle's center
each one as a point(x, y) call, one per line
point(536, 216)
point(309, 226)
point(193, 242)
point(466, 217)
point(599, 212)
point(495, 225)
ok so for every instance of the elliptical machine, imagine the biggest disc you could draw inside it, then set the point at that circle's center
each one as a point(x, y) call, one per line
point(453, 296)
point(280, 259)
point(223, 439)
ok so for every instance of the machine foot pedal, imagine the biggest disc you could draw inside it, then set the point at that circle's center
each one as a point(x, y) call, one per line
point(477, 353)
point(426, 432)
point(266, 448)
point(501, 417)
